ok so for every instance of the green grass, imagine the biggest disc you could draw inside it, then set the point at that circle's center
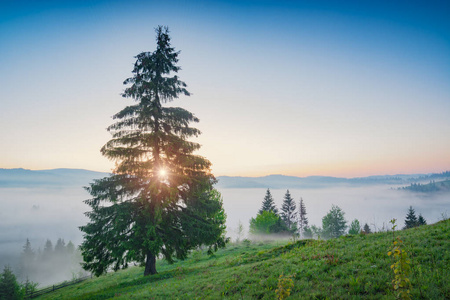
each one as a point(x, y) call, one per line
point(350, 267)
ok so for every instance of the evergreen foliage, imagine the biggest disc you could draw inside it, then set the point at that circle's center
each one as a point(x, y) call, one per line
point(26, 259)
point(411, 219)
point(48, 250)
point(431, 187)
point(160, 198)
point(268, 203)
point(288, 213)
point(355, 227)
point(421, 220)
point(303, 221)
point(9, 287)
point(50, 265)
point(334, 224)
point(60, 247)
point(366, 229)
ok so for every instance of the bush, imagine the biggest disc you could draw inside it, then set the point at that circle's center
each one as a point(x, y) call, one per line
point(355, 227)
point(334, 224)
point(267, 222)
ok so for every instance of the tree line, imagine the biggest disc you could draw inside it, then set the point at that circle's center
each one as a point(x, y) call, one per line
point(430, 187)
point(293, 221)
point(51, 263)
point(59, 261)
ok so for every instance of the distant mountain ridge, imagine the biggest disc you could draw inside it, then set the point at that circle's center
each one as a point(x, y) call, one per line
point(54, 177)
point(285, 182)
point(79, 177)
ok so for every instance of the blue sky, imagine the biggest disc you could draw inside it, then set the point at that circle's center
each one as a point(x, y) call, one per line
point(345, 88)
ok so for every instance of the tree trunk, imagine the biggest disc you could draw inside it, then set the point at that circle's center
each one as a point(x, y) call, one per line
point(150, 264)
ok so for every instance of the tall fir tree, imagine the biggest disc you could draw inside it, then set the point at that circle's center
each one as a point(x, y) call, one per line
point(60, 247)
point(27, 258)
point(48, 250)
point(268, 203)
point(70, 248)
point(288, 213)
point(411, 219)
point(160, 198)
point(302, 220)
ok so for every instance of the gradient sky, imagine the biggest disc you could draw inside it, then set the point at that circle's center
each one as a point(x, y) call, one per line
point(342, 88)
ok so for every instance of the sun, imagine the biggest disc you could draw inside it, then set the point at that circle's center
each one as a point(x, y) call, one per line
point(162, 172)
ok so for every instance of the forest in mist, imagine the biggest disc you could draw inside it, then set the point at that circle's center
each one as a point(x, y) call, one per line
point(48, 205)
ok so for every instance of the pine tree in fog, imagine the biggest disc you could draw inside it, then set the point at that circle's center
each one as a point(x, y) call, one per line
point(366, 229)
point(60, 247)
point(70, 248)
point(303, 221)
point(411, 219)
point(268, 204)
point(47, 253)
point(288, 211)
point(26, 260)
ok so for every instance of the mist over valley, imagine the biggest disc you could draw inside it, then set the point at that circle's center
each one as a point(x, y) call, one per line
point(41, 205)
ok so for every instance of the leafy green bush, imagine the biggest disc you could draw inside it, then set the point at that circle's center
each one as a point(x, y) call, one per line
point(267, 222)
point(334, 224)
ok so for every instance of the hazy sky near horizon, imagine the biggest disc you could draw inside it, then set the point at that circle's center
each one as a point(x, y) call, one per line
point(342, 88)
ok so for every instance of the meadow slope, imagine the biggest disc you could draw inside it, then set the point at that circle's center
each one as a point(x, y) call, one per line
point(350, 267)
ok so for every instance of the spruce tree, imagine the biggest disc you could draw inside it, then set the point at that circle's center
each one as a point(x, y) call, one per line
point(60, 247)
point(26, 260)
point(288, 211)
point(421, 220)
point(160, 199)
point(411, 219)
point(366, 229)
point(48, 250)
point(9, 287)
point(70, 248)
point(303, 220)
point(268, 203)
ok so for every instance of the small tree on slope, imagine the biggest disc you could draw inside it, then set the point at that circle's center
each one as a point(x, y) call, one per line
point(160, 198)
point(355, 227)
point(411, 219)
point(421, 220)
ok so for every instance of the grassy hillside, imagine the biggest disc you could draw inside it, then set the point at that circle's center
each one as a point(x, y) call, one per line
point(350, 267)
